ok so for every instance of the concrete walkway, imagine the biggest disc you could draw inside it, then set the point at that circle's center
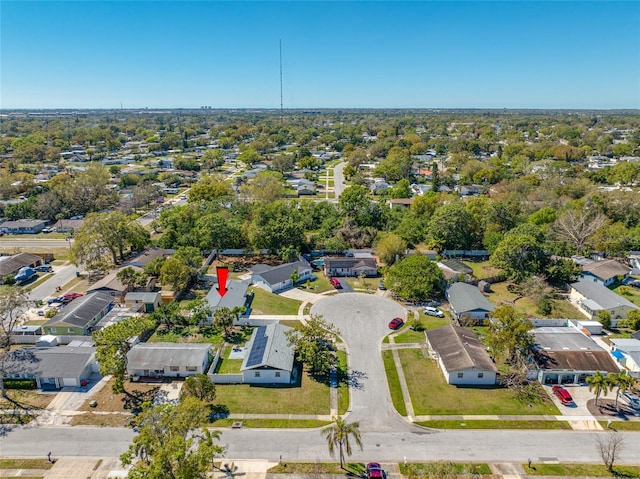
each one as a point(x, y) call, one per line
point(299, 295)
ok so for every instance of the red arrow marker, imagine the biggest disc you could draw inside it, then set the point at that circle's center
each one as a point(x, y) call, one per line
point(223, 273)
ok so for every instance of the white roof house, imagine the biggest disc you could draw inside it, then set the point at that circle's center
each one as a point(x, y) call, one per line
point(168, 359)
point(269, 357)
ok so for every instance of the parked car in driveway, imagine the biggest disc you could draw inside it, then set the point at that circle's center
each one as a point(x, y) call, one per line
point(396, 323)
point(631, 399)
point(44, 268)
point(562, 394)
point(374, 470)
point(382, 287)
point(56, 299)
point(67, 298)
point(335, 282)
point(431, 311)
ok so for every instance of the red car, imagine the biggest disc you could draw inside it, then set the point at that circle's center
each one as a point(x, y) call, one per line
point(336, 283)
point(562, 394)
point(396, 323)
point(67, 298)
point(374, 470)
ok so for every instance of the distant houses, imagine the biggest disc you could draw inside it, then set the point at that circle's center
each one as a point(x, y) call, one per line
point(12, 264)
point(25, 226)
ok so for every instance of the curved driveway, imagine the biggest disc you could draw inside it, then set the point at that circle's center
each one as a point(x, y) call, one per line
point(363, 321)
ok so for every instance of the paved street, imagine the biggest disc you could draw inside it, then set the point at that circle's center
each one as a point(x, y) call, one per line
point(310, 445)
point(62, 275)
point(16, 241)
point(363, 319)
point(338, 180)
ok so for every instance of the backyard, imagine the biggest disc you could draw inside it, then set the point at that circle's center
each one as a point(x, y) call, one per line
point(431, 395)
point(628, 292)
point(527, 306)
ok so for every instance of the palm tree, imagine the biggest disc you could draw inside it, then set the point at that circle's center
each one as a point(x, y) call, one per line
point(598, 384)
point(623, 383)
point(337, 434)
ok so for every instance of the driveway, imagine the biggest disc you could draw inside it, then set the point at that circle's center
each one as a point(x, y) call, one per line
point(346, 287)
point(363, 321)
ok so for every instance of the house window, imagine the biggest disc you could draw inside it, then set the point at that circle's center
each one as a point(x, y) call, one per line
point(277, 374)
point(53, 330)
point(480, 375)
point(174, 368)
point(70, 330)
point(460, 375)
point(257, 374)
point(192, 368)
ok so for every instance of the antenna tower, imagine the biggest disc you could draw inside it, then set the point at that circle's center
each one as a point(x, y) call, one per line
point(281, 104)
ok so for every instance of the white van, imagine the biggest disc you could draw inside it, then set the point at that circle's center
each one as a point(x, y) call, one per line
point(631, 399)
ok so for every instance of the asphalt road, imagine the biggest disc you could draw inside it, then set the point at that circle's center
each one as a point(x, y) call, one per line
point(310, 445)
point(15, 241)
point(62, 275)
point(363, 321)
point(346, 287)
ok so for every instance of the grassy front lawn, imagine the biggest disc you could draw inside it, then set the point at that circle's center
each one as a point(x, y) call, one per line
point(489, 424)
point(25, 464)
point(343, 385)
point(355, 469)
point(272, 423)
point(410, 336)
point(308, 397)
point(101, 420)
point(27, 399)
point(430, 394)
point(572, 470)
point(621, 425)
point(319, 285)
point(394, 383)
point(269, 303)
point(424, 469)
point(432, 322)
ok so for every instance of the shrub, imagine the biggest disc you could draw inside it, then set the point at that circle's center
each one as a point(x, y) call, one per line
point(544, 307)
point(20, 383)
point(416, 324)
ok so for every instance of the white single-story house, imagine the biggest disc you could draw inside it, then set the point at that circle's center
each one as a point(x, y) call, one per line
point(269, 357)
point(52, 367)
point(177, 360)
point(590, 296)
point(148, 301)
point(19, 227)
point(343, 266)
point(608, 271)
point(467, 301)
point(462, 357)
point(277, 278)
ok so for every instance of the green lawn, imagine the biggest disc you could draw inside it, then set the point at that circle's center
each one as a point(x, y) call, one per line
point(431, 322)
point(628, 292)
point(409, 336)
point(309, 397)
point(489, 424)
point(572, 470)
point(226, 365)
point(430, 394)
point(269, 303)
point(272, 423)
point(526, 305)
point(622, 425)
point(318, 285)
point(429, 469)
point(343, 386)
point(318, 469)
point(191, 334)
point(482, 269)
point(394, 383)
point(25, 464)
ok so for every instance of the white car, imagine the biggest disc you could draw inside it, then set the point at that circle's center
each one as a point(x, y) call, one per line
point(433, 312)
point(631, 399)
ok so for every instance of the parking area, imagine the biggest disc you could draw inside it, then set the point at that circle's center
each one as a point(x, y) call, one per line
point(581, 395)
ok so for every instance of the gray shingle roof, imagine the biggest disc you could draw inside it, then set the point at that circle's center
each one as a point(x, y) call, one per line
point(269, 348)
point(235, 296)
point(144, 297)
point(466, 297)
point(11, 264)
point(56, 362)
point(459, 349)
point(278, 274)
point(353, 263)
point(600, 295)
point(81, 311)
point(606, 269)
point(161, 355)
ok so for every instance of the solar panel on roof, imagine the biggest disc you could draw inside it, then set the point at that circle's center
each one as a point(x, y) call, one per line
point(258, 347)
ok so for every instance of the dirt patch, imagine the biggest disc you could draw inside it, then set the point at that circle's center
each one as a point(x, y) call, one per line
point(101, 420)
point(25, 399)
point(243, 263)
point(131, 401)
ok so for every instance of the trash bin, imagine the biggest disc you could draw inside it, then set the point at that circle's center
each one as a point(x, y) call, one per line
point(77, 274)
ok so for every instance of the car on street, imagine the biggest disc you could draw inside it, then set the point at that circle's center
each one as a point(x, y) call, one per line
point(431, 311)
point(374, 470)
point(635, 283)
point(382, 287)
point(44, 268)
point(335, 282)
point(396, 323)
point(562, 394)
point(56, 299)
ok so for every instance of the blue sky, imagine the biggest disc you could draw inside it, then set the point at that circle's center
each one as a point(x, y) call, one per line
point(454, 54)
